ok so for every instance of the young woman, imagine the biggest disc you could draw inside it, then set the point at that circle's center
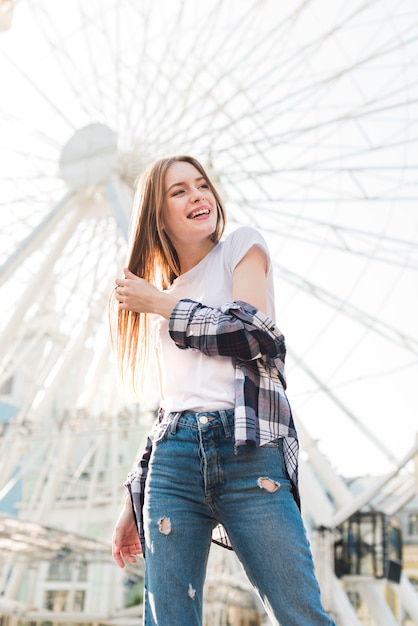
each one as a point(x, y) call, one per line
point(220, 463)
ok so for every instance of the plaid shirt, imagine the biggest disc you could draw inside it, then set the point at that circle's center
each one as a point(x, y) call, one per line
point(262, 411)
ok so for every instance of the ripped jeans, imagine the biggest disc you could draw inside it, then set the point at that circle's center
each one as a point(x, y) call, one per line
point(195, 482)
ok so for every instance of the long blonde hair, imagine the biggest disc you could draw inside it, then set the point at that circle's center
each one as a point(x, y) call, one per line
point(153, 257)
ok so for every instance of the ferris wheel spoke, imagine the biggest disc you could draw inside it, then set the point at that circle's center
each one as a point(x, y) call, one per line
point(343, 306)
point(37, 90)
point(381, 247)
point(382, 446)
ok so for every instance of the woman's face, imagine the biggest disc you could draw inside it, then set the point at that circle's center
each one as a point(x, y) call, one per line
point(189, 212)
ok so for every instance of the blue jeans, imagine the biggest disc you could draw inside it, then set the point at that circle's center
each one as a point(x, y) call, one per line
point(196, 481)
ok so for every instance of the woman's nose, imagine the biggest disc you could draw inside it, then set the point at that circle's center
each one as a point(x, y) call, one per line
point(196, 194)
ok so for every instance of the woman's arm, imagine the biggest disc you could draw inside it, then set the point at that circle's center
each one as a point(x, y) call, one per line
point(249, 282)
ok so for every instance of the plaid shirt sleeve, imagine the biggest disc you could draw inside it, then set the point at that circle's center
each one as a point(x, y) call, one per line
point(236, 329)
point(135, 483)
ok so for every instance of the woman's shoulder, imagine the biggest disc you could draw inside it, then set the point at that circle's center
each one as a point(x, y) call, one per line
point(243, 231)
point(245, 237)
point(239, 241)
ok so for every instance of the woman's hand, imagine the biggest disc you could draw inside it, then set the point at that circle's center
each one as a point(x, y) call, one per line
point(138, 295)
point(125, 540)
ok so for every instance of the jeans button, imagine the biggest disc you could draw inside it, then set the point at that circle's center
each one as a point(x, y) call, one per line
point(203, 419)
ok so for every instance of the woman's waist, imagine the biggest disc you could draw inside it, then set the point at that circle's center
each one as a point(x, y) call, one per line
point(201, 417)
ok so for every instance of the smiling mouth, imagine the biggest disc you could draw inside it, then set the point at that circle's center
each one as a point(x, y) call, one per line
point(197, 213)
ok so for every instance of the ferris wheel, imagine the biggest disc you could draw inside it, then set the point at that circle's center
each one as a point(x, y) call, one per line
point(305, 115)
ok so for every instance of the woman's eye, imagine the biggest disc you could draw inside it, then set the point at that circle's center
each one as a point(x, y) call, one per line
point(204, 186)
point(178, 192)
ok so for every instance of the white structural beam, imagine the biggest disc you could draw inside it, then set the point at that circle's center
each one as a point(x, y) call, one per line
point(332, 481)
point(396, 505)
point(41, 282)
point(368, 494)
point(35, 239)
point(408, 597)
point(121, 198)
point(315, 503)
point(11, 457)
point(376, 603)
point(342, 607)
point(94, 378)
point(70, 356)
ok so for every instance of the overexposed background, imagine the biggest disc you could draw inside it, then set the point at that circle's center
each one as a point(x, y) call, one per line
point(305, 113)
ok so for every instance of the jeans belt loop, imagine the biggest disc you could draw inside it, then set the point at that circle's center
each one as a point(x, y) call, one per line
point(225, 423)
point(173, 427)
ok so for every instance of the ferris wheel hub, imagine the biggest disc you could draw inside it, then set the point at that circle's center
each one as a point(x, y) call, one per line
point(88, 158)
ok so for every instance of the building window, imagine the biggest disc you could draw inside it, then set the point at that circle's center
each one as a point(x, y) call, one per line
point(64, 571)
point(79, 598)
point(57, 600)
point(60, 571)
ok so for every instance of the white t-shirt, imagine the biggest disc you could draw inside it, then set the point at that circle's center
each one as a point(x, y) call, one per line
point(189, 379)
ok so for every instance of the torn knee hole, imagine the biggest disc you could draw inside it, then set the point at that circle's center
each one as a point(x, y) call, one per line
point(191, 592)
point(268, 484)
point(164, 525)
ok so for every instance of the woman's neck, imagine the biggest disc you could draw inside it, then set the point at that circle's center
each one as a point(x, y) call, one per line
point(192, 255)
